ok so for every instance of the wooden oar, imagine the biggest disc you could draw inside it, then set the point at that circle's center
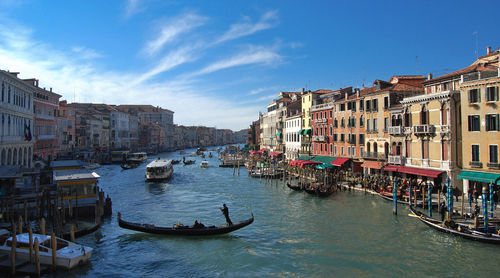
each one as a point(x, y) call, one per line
point(412, 215)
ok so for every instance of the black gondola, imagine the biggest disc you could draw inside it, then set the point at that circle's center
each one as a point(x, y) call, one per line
point(312, 189)
point(325, 192)
point(127, 166)
point(175, 162)
point(183, 230)
point(297, 187)
point(458, 230)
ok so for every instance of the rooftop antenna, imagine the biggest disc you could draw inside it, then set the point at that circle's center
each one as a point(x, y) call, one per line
point(476, 51)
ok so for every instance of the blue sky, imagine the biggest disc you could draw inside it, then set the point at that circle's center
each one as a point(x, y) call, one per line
point(218, 63)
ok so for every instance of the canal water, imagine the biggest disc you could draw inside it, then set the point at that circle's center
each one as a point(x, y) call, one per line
point(294, 234)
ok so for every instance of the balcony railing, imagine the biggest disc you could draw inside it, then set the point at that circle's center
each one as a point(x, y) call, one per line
point(493, 165)
point(476, 164)
point(474, 76)
point(319, 138)
point(322, 106)
point(321, 120)
point(374, 155)
point(423, 129)
point(396, 130)
point(396, 159)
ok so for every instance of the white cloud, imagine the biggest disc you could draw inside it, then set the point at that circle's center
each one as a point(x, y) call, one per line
point(245, 28)
point(171, 29)
point(260, 90)
point(86, 53)
point(253, 56)
point(73, 76)
point(132, 7)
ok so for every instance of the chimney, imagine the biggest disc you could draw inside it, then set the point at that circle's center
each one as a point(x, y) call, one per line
point(429, 76)
point(51, 89)
point(302, 90)
point(488, 50)
point(357, 92)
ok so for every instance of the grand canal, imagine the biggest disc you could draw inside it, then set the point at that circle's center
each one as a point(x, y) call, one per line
point(294, 234)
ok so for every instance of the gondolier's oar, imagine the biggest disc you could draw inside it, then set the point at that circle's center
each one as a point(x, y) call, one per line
point(412, 215)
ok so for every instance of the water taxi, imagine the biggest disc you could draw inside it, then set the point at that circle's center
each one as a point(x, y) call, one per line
point(204, 164)
point(159, 169)
point(68, 254)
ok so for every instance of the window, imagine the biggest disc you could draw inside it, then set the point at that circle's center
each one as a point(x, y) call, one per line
point(368, 125)
point(361, 139)
point(342, 151)
point(335, 137)
point(368, 107)
point(331, 148)
point(386, 103)
point(475, 153)
point(386, 124)
point(335, 123)
point(492, 94)
point(342, 107)
point(474, 96)
point(342, 122)
point(331, 130)
point(361, 151)
point(331, 114)
point(492, 122)
point(474, 123)
point(375, 124)
point(342, 137)
point(361, 121)
point(375, 105)
point(335, 148)
point(493, 154)
point(361, 105)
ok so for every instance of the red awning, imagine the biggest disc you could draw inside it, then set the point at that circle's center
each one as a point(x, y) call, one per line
point(295, 162)
point(255, 152)
point(420, 172)
point(339, 161)
point(372, 165)
point(262, 150)
point(275, 153)
point(391, 168)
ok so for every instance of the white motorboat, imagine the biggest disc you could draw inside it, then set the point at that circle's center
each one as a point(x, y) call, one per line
point(204, 164)
point(68, 254)
point(159, 170)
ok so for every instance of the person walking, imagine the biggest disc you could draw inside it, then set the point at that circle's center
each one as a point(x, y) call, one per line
point(225, 212)
point(442, 210)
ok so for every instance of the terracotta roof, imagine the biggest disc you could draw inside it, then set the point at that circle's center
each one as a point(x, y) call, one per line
point(323, 91)
point(455, 74)
point(402, 87)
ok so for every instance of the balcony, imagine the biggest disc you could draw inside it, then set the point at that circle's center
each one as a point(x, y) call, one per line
point(323, 106)
point(423, 129)
point(396, 159)
point(320, 121)
point(374, 155)
point(319, 138)
point(493, 165)
point(476, 164)
point(396, 130)
point(474, 76)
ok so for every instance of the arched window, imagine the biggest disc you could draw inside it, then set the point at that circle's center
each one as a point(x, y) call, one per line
point(375, 148)
point(368, 147)
point(424, 116)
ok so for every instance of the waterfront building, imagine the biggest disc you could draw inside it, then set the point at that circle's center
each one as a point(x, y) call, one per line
point(17, 120)
point(383, 96)
point(45, 106)
point(253, 138)
point(66, 128)
point(308, 98)
point(322, 125)
point(430, 130)
point(293, 125)
point(152, 137)
point(479, 85)
point(348, 124)
point(119, 130)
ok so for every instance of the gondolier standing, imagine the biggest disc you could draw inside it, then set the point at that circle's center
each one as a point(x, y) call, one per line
point(225, 211)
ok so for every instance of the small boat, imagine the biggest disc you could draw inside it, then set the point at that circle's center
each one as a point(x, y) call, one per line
point(297, 187)
point(127, 166)
point(68, 254)
point(325, 191)
point(457, 229)
point(176, 162)
point(312, 189)
point(137, 158)
point(159, 170)
point(183, 230)
point(188, 162)
point(204, 164)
